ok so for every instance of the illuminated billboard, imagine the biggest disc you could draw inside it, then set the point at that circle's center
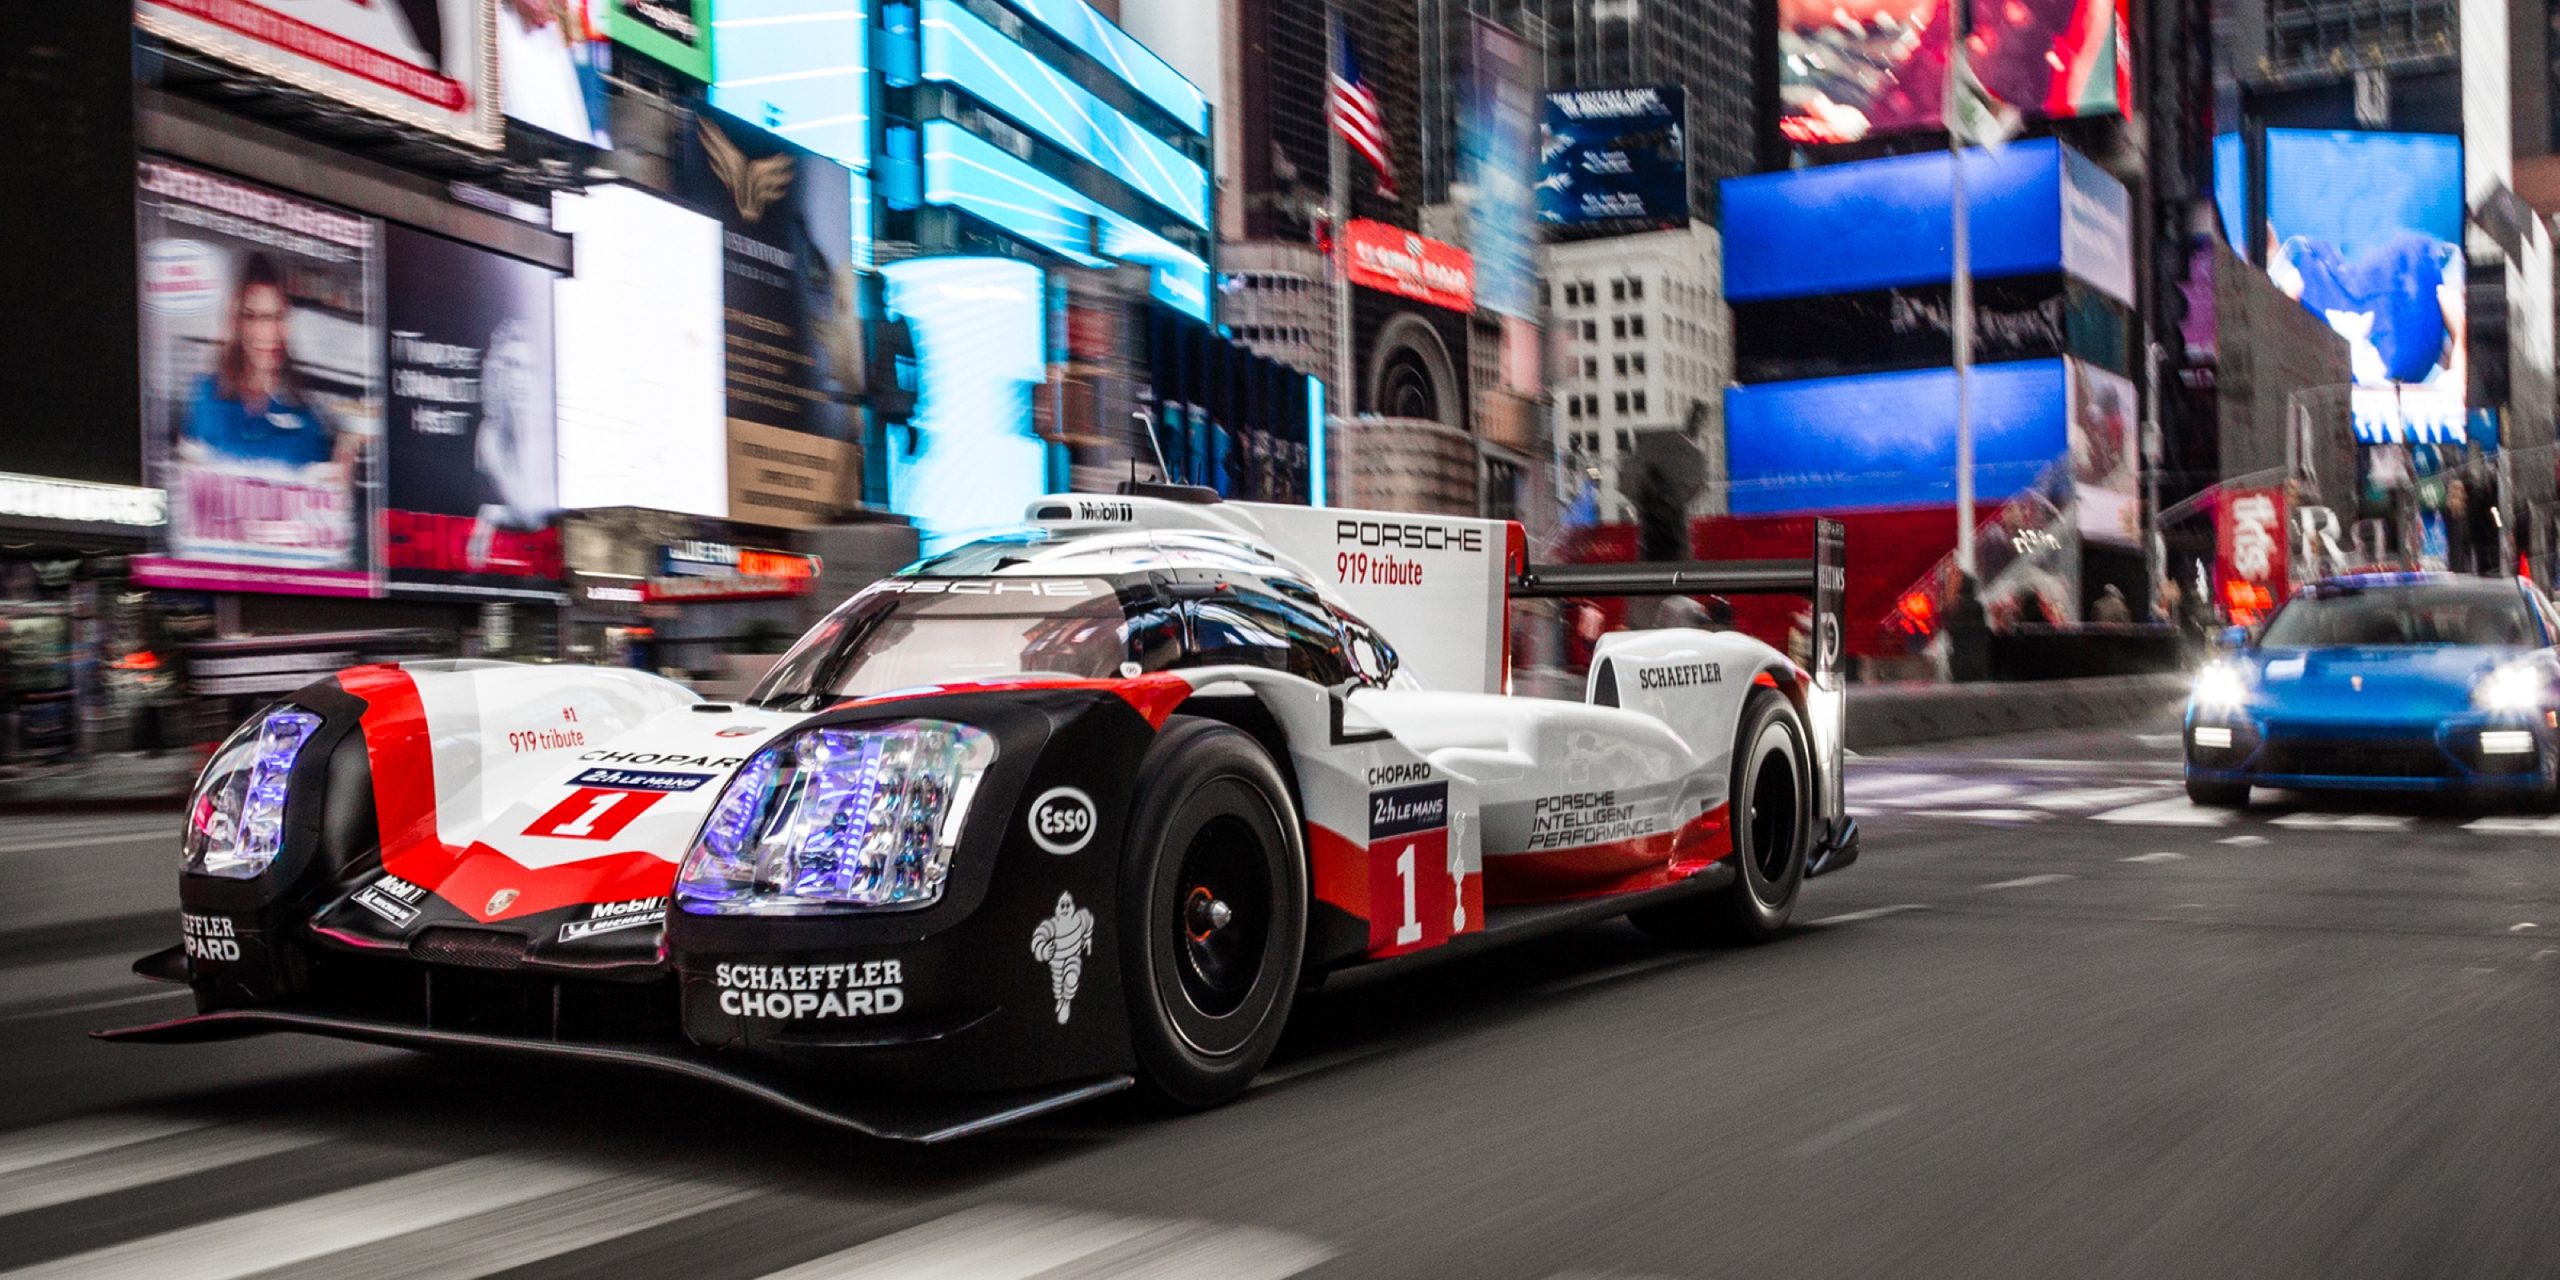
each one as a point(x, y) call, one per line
point(1408, 265)
point(675, 32)
point(972, 462)
point(554, 59)
point(1850, 69)
point(639, 355)
point(2365, 230)
point(1889, 439)
point(966, 172)
point(431, 64)
point(800, 69)
point(1614, 158)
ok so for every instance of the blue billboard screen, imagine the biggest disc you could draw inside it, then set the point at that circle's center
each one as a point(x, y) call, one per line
point(1883, 224)
point(2365, 230)
point(1889, 439)
point(1614, 157)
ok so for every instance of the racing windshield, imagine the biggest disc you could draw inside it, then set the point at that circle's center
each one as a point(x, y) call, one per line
point(903, 633)
point(2427, 613)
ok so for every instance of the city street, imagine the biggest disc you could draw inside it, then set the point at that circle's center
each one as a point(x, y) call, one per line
point(2056, 1022)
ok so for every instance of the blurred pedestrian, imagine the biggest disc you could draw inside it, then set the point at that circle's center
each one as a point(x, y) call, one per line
point(1682, 612)
point(1968, 634)
point(2111, 606)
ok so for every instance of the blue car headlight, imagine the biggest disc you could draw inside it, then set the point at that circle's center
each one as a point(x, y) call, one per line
point(2220, 687)
point(2517, 688)
point(838, 819)
point(235, 819)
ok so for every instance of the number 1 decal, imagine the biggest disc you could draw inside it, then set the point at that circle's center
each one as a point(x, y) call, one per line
point(1411, 931)
point(593, 813)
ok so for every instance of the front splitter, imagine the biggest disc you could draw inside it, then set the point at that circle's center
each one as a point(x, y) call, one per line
point(909, 1119)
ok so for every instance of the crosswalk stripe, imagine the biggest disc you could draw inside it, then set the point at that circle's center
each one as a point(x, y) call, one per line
point(2343, 821)
point(2509, 825)
point(1865, 786)
point(252, 1242)
point(521, 1234)
point(1982, 793)
point(1983, 815)
point(2086, 798)
point(72, 1139)
point(2175, 811)
point(2027, 882)
point(2161, 856)
point(141, 1164)
point(1014, 1242)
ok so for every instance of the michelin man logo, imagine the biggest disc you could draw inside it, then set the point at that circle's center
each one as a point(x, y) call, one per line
point(1063, 941)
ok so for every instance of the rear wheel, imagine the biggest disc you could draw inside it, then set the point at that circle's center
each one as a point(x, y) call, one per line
point(2218, 795)
point(1217, 881)
point(1772, 823)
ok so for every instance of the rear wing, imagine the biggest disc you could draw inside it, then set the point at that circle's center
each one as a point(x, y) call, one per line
point(1822, 577)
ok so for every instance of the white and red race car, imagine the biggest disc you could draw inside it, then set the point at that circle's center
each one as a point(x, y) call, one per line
point(1034, 820)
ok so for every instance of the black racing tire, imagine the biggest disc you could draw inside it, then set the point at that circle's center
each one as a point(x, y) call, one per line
point(1213, 900)
point(1772, 823)
point(2218, 795)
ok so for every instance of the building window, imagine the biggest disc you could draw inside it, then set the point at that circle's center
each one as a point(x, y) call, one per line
point(1640, 408)
point(1625, 442)
point(1573, 406)
point(1622, 412)
point(1591, 405)
point(1635, 288)
point(1617, 326)
point(1635, 325)
point(1591, 366)
point(1617, 291)
point(1639, 362)
point(1590, 331)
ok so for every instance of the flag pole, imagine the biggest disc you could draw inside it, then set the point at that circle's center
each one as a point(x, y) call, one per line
point(1344, 402)
point(1960, 290)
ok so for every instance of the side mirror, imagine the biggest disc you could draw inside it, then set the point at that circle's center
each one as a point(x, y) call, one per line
point(2235, 637)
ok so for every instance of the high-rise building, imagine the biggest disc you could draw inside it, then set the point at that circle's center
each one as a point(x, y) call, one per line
point(1709, 47)
point(1641, 342)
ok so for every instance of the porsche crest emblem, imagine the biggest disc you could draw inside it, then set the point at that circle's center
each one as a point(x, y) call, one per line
point(499, 901)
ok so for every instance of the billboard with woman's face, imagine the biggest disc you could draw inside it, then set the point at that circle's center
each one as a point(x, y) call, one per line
point(262, 384)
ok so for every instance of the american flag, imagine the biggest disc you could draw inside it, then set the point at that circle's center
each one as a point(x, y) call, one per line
point(1352, 108)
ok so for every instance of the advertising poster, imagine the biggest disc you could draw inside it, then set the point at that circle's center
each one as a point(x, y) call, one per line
point(262, 385)
point(554, 56)
point(790, 307)
point(1849, 69)
point(432, 64)
point(473, 500)
point(675, 32)
point(2365, 230)
point(639, 352)
point(1408, 265)
point(2250, 550)
point(2105, 437)
point(1889, 439)
point(1497, 150)
point(1614, 158)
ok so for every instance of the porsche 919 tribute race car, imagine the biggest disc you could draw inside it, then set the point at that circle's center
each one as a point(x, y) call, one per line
point(1033, 820)
point(2385, 681)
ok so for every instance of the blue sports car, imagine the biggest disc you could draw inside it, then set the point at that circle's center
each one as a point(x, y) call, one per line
point(2385, 681)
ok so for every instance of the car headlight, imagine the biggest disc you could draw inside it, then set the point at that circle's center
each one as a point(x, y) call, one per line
point(2517, 687)
point(235, 820)
point(838, 819)
point(2220, 686)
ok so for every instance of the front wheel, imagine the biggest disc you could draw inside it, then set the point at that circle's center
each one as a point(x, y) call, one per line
point(1216, 885)
point(1771, 817)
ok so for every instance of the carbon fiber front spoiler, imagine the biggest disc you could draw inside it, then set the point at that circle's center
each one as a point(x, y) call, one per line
point(907, 1119)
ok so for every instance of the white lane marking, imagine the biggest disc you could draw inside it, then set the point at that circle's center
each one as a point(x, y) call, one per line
point(2243, 842)
point(2027, 882)
point(2086, 798)
point(1871, 913)
point(2343, 821)
point(522, 1234)
point(1013, 1242)
point(141, 1164)
point(2526, 926)
point(92, 1006)
point(1981, 815)
point(170, 834)
point(1868, 785)
point(71, 1139)
point(2176, 811)
point(1981, 793)
point(1845, 1130)
point(248, 1243)
point(2161, 856)
point(2508, 825)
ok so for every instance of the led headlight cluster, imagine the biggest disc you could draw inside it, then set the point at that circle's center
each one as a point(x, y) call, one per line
point(235, 822)
point(838, 819)
point(2220, 686)
point(2516, 687)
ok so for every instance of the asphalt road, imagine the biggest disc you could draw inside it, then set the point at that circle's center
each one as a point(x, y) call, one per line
point(2055, 1023)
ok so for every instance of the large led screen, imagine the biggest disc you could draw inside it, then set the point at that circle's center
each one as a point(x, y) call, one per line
point(801, 69)
point(1881, 224)
point(971, 462)
point(1848, 69)
point(1614, 158)
point(639, 356)
point(2365, 229)
point(1889, 439)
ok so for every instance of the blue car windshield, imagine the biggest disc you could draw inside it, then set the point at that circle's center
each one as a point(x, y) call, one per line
point(2429, 613)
